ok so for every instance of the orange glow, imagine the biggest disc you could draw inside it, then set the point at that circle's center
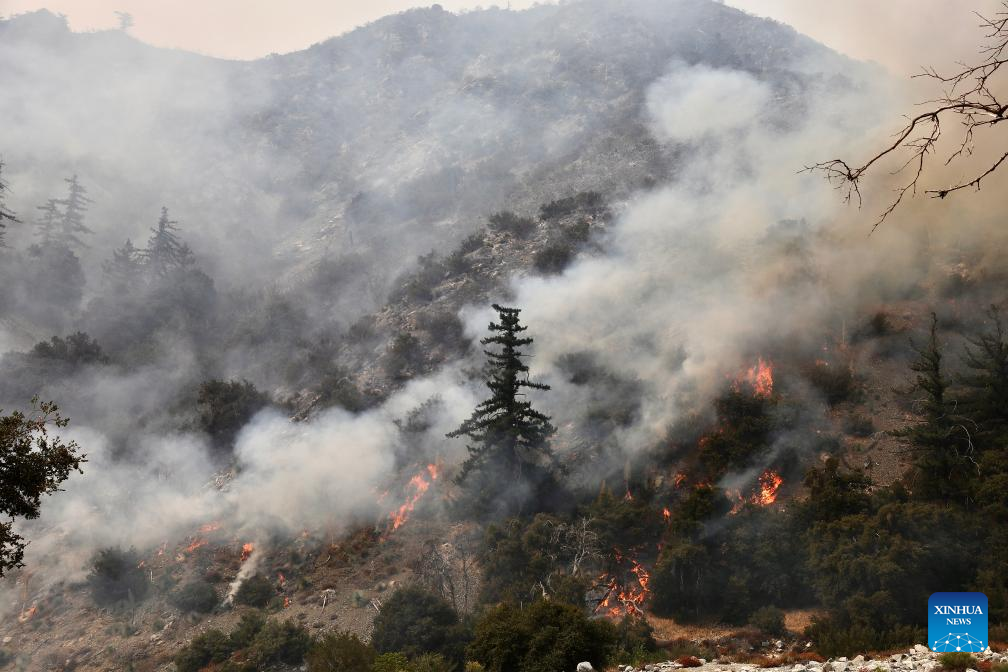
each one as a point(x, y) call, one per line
point(666, 514)
point(281, 579)
point(679, 479)
point(196, 543)
point(760, 378)
point(246, 551)
point(770, 482)
point(769, 485)
point(622, 600)
point(209, 527)
point(286, 602)
point(27, 615)
point(419, 485)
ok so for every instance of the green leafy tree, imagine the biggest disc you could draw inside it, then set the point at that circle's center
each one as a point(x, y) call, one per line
point(340, 652)
point(414, 621)
point(541, 637)
point(116, 576)
point(32, 464)
point(509, 438)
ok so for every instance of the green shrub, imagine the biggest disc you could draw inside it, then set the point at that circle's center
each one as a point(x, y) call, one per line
point(769, 620)
point(343, 652)
point(198, 596)
point(249, 625)
point(414, 622)
point(999, 667)
point(554, 257)
point(957, 660)
point(208, 647)
point(835, 381)
point(431, 662)
point(509, 222)
point(116, 576)
point(278, 642)
point(635, 634)
point(390, 662)
point(540, 637)
point(226, 406)
point(257, 591)
point(75, 349)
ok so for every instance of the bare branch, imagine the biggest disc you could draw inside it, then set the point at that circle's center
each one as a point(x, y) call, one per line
point(969, 96)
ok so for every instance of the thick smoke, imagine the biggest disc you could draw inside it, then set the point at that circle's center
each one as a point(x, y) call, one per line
point(733, 253)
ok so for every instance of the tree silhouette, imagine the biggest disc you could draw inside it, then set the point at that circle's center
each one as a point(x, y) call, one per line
point(5, 214)
point(510, 439)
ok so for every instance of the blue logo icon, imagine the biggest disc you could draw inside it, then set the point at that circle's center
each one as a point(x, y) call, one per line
point(957, 622)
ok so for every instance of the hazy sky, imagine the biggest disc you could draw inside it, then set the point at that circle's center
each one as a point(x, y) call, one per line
point(901, 34)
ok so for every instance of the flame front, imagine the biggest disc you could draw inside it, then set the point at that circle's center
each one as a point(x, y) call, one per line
point(770, 482)
point(419, 484)
point(760, 378)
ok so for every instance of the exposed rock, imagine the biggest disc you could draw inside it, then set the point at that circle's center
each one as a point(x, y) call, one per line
point(585, 667)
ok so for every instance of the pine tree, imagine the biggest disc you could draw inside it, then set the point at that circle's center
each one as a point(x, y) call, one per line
point(165, 250)
point(71, 224)
point(510, 439)
point(986, 382)
point(5, 214)
point(125, 265)
point(942, 441)
point(46, 225)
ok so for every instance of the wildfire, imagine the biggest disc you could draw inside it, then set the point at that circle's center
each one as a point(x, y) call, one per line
point(209, 527)
point(666, 514)
point(419, 484)
point(246, 551)
point(621, 600)
point(760, 378)
point(679, 479)
point(27, 614)
point(769, 483)
point(281, 579)
point(196, 543)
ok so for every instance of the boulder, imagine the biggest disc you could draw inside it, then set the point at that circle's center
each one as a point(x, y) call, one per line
point(585, 667)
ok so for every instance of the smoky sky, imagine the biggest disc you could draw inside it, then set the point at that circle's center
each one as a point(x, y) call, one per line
point(899, 34)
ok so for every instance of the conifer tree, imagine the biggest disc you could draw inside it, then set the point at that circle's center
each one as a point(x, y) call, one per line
point(165, 250)
point(46, 224)
point(986, 380)
point(510, 439)
point(5, 214)
point(71, 222)
point(942, 441)
point(125, 265)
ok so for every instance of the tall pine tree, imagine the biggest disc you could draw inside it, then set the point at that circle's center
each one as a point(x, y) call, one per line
point(125, 266)
point(509, 439)
point(71, 221)
point(165, 250)
point(942, 441)
point(5, 214)
point(986, 381)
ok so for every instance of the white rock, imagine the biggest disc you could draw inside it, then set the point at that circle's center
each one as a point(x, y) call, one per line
point(920, 648)
point(585, 667)
point(840, 665)
point(859, 660)
point(798, 668)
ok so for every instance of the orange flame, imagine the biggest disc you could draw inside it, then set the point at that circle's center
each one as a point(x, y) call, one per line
point(286, 602)
point(196, 543)
point(27, 615)
point(760, 378)
point(281, 579)
point(770, 482)
point(246, 551)
point(666, 514)
point(623, 600)
point(679, 479)
point(420, 485)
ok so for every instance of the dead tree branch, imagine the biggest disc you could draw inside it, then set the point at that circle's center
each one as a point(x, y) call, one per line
point(969, 96)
